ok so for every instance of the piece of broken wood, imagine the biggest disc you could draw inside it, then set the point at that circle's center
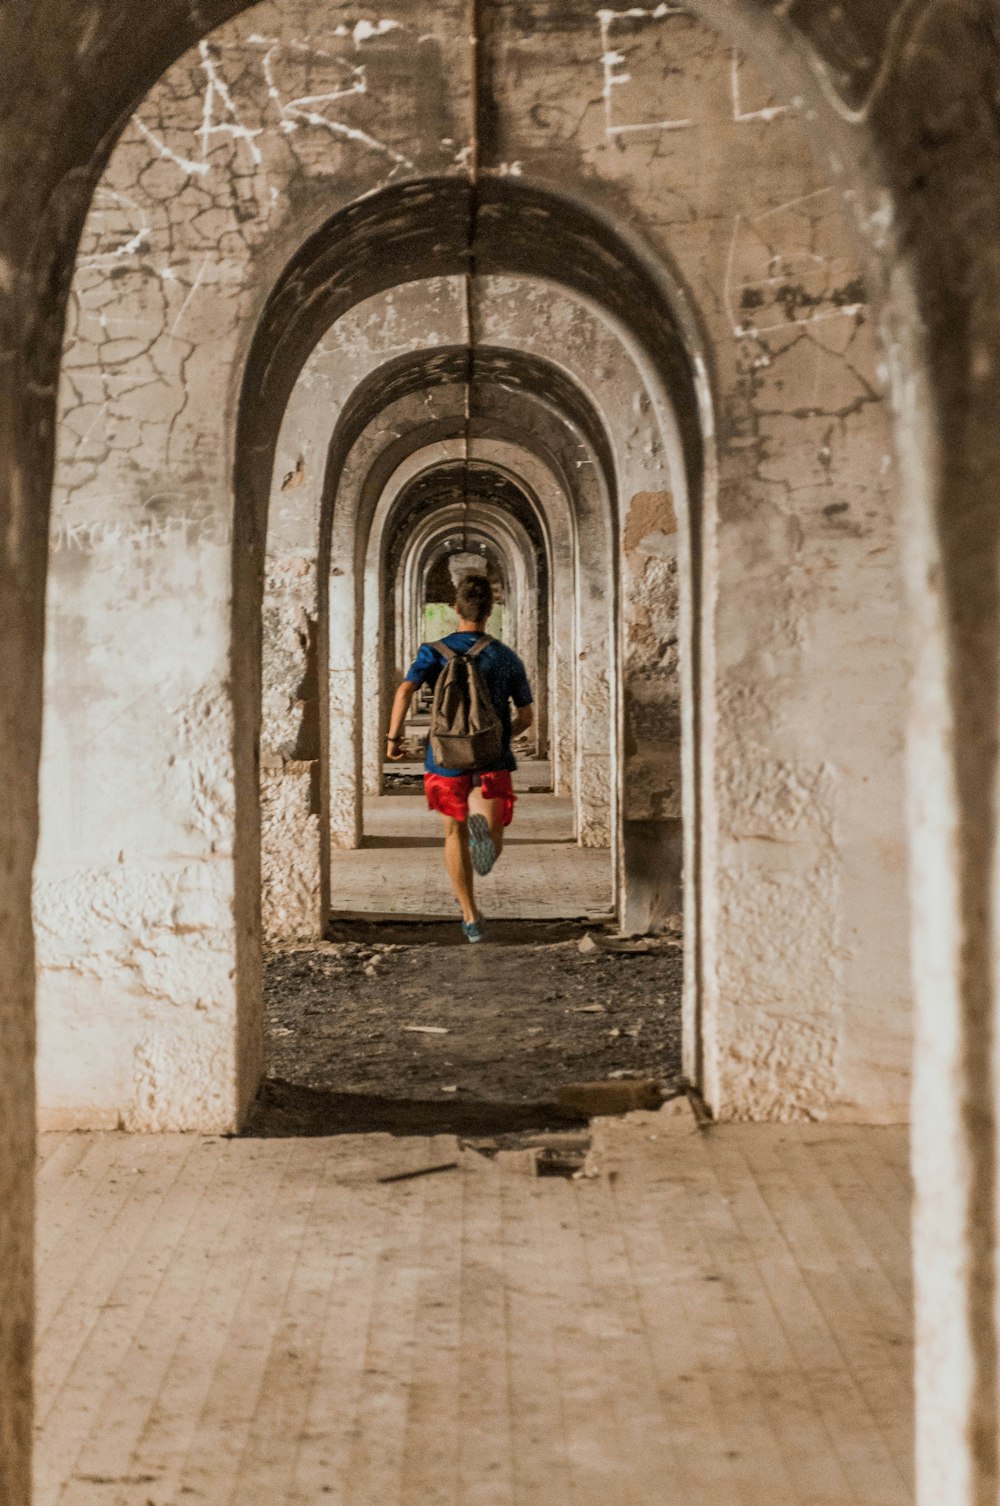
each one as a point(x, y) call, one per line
point(421, 1171)
point(589, 1099)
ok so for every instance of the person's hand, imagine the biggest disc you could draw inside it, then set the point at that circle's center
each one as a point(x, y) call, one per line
point(394, 749)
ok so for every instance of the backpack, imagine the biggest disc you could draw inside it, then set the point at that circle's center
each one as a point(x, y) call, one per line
point(466, 732)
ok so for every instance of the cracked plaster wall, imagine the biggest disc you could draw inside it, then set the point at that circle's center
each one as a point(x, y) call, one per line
point(241, 149)
point(244, 144)
point(801, 609)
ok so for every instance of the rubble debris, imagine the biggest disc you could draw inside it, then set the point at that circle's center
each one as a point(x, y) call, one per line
point(677, 1116)
point(561, 1163)
point(632, 946)
point(515, 1029)
point(543, 1155)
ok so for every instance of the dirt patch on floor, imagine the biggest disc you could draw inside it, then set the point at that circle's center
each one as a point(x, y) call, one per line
point(410, 1030)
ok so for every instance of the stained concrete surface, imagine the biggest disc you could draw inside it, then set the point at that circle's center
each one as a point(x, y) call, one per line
point(408, 1029)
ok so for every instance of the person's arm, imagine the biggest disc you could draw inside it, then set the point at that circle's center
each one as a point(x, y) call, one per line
point(520, 694)
point(522, 720)
point(397, 718)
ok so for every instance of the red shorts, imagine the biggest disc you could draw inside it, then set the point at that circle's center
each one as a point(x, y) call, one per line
point(449, 793)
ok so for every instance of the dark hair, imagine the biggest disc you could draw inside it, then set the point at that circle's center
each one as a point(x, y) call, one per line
point(474, 599)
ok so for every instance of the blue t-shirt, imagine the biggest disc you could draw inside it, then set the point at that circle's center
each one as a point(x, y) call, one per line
point(505, 678)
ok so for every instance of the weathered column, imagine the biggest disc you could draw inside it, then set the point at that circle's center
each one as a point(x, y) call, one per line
point(652, 835)
point(136, 904)
point(58, 102)
point(25, 477)
point(291, 880)
point(343, 645)
point(942, 334)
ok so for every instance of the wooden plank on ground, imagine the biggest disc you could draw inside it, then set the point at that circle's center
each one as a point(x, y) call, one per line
point(485, 1465)
point(204, 1196)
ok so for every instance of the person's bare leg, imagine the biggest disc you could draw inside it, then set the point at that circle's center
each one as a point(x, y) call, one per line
point(493, 811)
point(459, 865)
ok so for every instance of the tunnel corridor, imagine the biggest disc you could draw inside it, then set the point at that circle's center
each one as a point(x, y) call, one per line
point(673, 331)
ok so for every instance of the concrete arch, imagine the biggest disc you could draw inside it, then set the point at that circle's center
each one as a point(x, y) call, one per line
point(941, 197)
point(292, 878)
point(577, 249)
point(464, 492)
point(364, 479)
point(322, 373)
point(427, 542)
point(555, 518)
point(420, 540)
point(241, 742)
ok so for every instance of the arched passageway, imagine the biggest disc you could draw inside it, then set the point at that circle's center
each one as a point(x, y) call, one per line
point(733, 447)
point(655, 449)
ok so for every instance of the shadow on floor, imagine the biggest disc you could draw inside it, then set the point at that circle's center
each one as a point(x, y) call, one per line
point(388, 929)
point(284, 1109)
point(388, 843)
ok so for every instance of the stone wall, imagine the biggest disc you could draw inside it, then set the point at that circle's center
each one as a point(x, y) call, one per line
point(797, 550)
point(146, 937)
point(787, 564)
point(900, 100)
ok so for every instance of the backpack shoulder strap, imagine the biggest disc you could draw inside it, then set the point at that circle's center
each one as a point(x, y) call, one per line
point(479, 645)
point(443, 649)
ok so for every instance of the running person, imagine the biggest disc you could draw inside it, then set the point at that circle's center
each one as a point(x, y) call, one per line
point(475, 808)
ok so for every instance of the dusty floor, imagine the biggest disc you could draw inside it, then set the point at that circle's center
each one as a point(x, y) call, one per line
point(713, 1318)
point(543, 875)
point(409, 1029)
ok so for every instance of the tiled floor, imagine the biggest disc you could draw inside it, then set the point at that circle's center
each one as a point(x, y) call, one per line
point(714, 1318)
point(542, 875)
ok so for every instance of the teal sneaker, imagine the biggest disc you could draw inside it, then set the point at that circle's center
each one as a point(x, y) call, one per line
point(481, 849)
point(472, 930)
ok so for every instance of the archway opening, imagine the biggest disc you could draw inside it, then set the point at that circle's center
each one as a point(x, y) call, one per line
point(420, 468)
point(743, 497)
